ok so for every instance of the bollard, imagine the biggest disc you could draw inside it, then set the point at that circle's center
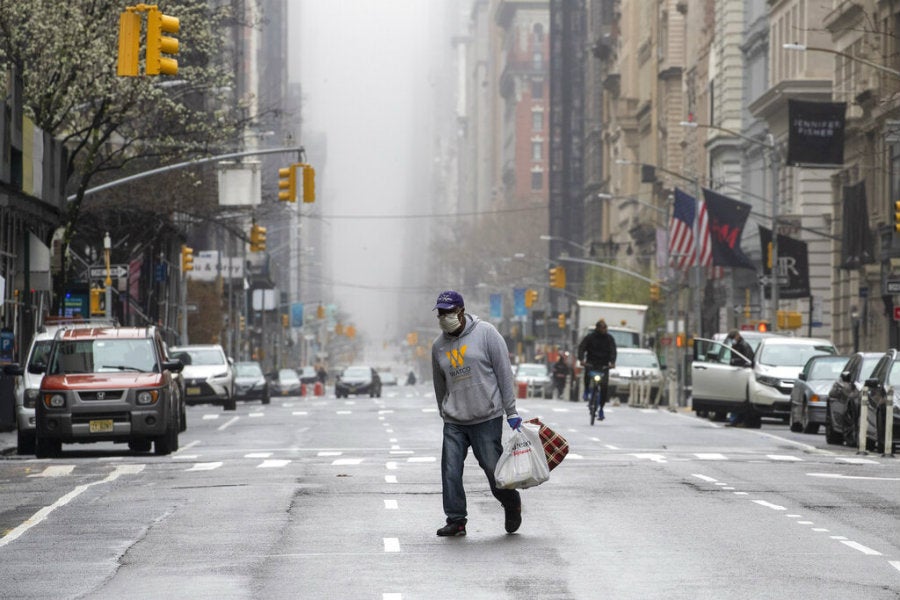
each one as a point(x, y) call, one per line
point(863, 421)
point(632, 391)
point(889, 426)
point(673, 394)
point(319, 389)
point(522, 390)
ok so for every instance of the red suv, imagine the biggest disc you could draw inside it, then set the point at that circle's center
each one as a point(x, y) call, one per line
point(109, 384)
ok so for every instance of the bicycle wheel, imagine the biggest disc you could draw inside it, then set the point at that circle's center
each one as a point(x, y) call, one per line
point(592, 405)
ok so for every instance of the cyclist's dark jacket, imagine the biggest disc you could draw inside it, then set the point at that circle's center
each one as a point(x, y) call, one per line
point(597, 349)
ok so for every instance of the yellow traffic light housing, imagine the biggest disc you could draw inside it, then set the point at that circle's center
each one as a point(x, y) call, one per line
point(129, 44)
point(159, 44)
point(285, 321)
point(320, 312)
point(97, 307)
point(242, 323)
point(530, 298)
point(257, 238)
point(897, 216)
point(654, 292)
point(309, 183)
point(287, 184)
point(561, 320)
point(558, 277)
point(187, 258)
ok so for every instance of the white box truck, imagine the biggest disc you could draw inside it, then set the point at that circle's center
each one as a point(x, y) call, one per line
point(625, 322)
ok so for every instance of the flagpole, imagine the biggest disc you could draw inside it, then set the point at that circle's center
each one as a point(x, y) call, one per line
point(775, 271)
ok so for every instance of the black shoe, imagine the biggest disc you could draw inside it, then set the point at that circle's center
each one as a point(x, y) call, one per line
point(513, 518)
point(453, 528)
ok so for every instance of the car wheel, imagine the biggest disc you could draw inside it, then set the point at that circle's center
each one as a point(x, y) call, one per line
point(45, 448)
point(25, 442)
point(831, 436)
point(796, 426)
point(182, 421)
point(139, 445)
point(808, 427)
point(167, 443)
point(230, 403)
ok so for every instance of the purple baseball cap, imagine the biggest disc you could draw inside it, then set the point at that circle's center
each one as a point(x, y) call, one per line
point(449, 299)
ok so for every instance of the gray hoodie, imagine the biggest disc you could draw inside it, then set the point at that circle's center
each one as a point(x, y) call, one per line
point(473, 380)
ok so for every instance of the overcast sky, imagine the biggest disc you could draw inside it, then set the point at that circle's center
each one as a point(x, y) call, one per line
point(363, 66)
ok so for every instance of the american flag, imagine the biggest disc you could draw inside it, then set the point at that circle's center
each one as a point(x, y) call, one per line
point(682, 250)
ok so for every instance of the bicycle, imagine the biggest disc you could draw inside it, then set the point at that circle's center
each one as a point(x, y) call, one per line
point(595, 393)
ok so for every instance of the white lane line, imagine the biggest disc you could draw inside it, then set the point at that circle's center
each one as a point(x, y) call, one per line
point(609, 446)
point(273, 463)
point(785, 457)
point(395, 446)
point(895, 564)
point(574, 456)
point(43, 513)
point(429, 410)
point(346, 461)
point(660, 458)
point(804, 522)
point(710, 456)
point(422, 459)
point(205, 466)
point(55, 471)
point(838, 537)
point(210, 417)
point(390, 465)
point(820, 529)
point(861, 548)
point(388, 430)
point(258, 455)
point(793, 516)
point(187, 446)
point(808, 447)
point(392, 440)
point(741, 493)
point(299, 413)
point(839, 476)
point(329, 453)
point(401, 452)
point(390, 479)
point(227, 423)
point(287, 405)
point(391, 545)
point(391, 504)
point(186, 457)
point(257, 414)
point(769, 505)
point(852, 460)
point(705, 478)
point(385, 412)
point(344, 412)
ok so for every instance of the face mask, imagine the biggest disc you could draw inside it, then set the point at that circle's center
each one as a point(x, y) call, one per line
point(449, 322)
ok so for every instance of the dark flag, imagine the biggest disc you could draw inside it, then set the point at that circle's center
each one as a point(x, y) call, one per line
point(816, 133)
point(726, 224)
point(858, 244)
point(793, 265)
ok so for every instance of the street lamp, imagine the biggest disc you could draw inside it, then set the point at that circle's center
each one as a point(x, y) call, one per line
point(584, 249)
point(107, 246)
point(603, 196)
point(874, 65)
point(773, 165)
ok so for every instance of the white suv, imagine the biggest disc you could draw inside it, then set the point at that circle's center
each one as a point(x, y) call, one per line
point(208, 374)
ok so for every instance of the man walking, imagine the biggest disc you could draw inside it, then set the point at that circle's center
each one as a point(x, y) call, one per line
point(473, 385)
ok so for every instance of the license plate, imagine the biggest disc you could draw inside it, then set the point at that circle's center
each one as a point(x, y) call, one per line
point(101, 426)
point(193, 391)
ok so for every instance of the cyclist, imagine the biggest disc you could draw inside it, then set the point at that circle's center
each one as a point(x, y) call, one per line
point(597, 351)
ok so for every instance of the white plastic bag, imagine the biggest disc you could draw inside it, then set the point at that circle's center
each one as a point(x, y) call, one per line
point(523, 463)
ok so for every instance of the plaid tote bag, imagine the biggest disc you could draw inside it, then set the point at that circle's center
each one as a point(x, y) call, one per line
point(555, 446)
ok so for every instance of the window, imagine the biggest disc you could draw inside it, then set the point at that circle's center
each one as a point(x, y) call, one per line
point(537, 120)
point(537, 150)
point(537, 89)
point(538, 60)
point(537, 180)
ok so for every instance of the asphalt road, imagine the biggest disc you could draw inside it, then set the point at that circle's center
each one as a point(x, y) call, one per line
point(326, 498)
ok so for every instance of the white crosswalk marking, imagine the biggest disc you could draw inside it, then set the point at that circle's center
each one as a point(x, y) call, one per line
point(391, 545)
point(210, 416)
point(258, 455)
point(710, 456)
point(205, 466)
point(785, 457)
point(347, 461)
point(329, 453)
point(55, 471)
point(273, 464)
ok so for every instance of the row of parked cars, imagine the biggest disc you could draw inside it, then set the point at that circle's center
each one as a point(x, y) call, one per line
point(801, 380)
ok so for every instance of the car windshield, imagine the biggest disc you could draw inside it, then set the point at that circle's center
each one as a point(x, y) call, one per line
point(532, 370)
point(357, 372)
point(790, 355)
point(40, 353)
point(204, 357)
point(826, 368)
point(248, 370)
point(288, 375)
point(868, 365)
point(308, 372)
point(103, 356)
point(637, 359)
point(894, 375)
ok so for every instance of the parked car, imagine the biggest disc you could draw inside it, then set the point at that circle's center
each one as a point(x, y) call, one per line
point(208, 374)
point(287, 383)
point(536, 376)
point(842, 404)
point(27, 385)
point(308, 375)
point(633, 363)
point(883, 401)
point(250, 383)
point(809, 398)
point(108, 384)
point(360, 380)
point(775, 366)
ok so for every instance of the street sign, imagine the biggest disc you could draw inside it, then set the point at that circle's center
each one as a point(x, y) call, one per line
point(893, 286)
point(115, 271)
point(665, 341)
point(897, 313)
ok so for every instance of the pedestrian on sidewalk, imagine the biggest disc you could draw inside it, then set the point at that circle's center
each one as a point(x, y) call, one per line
point(473, 386)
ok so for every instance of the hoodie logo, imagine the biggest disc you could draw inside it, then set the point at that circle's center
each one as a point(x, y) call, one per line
point(457, 357)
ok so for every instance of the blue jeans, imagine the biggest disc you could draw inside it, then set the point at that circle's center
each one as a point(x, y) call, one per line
point(485, 440)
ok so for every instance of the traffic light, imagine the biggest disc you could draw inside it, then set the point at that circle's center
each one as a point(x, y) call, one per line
point(531, 297)
point(789, 319)
point(561, 320)
point(97, 307)
point(320, 312)
point(287, 184)
point(129, 44)
point(654, 292)
point(897, 216)
point(350, 331)
point(242, 323)
point(158, 44)
point(769, 255)
point(187, 258)
point(285, 321)
point(558, 277)
point(762, 326)
point(412, 339)
point(309, 183)
point(257, 238)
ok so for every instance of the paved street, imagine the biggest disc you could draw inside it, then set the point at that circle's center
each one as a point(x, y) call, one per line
point(325, 498)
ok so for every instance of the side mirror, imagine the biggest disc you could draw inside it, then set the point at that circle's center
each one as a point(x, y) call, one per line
point(802, 376)
point(37, 368)
point(845, 376)
point(872, 382)
point(176, 366)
